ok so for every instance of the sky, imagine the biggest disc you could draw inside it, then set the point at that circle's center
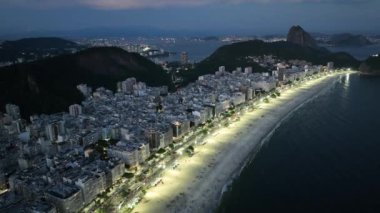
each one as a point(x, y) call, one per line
point(239, 17)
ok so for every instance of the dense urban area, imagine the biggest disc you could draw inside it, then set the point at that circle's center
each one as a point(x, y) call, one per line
point(104, 153)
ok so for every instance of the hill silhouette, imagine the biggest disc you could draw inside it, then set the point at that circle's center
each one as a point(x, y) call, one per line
point(347, 39)
point(297, 35)
point(49, 85)
point(36, 48)
point(234, 55)
point(371, 66)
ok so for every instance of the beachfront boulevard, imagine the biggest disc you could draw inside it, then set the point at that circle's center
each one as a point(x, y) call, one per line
point(171, 160)
point(144, 149)
point(197, 182)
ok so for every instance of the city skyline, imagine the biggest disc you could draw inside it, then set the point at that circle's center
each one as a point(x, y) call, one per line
point(189, 106)
point(168, 17)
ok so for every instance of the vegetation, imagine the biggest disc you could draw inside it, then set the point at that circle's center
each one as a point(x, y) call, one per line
point(49, 85)
point(128, 175)
point(190, 150)
point(278, 94)
point(204, 131)
point(161, 151)
point(273, 96)
point(347, 39)
point(35, 48)
point(266, 100)
point(124, 193)
point(235, 55)
point(101, 147)
point(371, 65)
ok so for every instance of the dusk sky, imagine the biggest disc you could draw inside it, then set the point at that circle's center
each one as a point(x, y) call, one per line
point(208, 16)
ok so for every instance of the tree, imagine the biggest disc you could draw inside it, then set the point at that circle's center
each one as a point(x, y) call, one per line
point(128, 175)
point(161, 151)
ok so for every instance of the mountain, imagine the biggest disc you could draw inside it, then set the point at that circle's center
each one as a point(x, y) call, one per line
point(347, 39)
point(35, 48)
point(371, 66)
point(297, 35)
point(235, 55)
point(49, 85)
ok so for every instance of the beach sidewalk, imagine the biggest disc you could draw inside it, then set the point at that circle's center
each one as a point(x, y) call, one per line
point(197, 183)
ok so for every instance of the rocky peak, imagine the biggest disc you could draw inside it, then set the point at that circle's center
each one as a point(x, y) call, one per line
point(297, 35)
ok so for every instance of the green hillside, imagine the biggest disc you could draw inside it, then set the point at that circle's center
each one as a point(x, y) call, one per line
point(49, 85)
point(234, 55)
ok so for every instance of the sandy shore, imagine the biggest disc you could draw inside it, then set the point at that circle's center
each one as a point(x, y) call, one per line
point(197, 183)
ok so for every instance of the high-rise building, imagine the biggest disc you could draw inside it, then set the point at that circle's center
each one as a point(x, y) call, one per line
point(75, 110)
point(84, 89)
point(155, 138)
point(66, 198)
point(222, 69)
point(330, 66)
point(184, 58)
point(281, 74)
point(248, 70)
point(127, 85)
point(54, 130)
point(13, 111)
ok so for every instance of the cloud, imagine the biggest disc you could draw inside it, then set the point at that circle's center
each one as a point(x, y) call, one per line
point(137, 4)
point(128, 4)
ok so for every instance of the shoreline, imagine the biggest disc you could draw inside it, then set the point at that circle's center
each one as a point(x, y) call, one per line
point(267, 138)
point(199, 182)
point(370, 74)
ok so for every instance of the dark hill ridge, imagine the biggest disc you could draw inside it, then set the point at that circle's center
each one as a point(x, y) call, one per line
point(371, 66)
point(35, 48)
point(297, 35)
point(234, 55)
point(49, 85)
point(39, 43)
point(347, 39)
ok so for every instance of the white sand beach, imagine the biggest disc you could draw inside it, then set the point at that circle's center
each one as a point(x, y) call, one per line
point(196, 184)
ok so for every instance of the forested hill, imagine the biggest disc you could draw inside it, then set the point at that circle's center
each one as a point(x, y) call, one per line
point(49, 85)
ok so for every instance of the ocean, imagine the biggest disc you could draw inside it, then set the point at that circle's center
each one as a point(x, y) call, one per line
point(360, 53)
point(199, 50)
point(324, 158)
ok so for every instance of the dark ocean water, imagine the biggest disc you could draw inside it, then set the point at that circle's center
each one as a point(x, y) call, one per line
point(199, 50)
point(360, 53)
point(324, 158)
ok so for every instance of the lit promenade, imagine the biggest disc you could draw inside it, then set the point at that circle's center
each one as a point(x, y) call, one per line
point(196, 184)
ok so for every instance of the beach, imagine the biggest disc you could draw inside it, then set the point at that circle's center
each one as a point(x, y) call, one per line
point(197, 184)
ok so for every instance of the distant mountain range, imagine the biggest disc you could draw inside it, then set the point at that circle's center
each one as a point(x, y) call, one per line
point(347, 39)
point(344, 40)
point(35, 48)
point(49, 85)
